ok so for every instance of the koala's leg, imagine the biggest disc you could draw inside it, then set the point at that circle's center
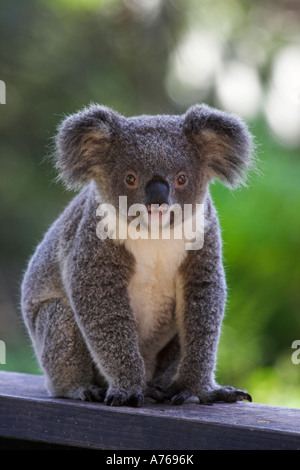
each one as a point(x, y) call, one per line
point(62, 353)
point(111, 334)
point(105, 316)
point(204, 295)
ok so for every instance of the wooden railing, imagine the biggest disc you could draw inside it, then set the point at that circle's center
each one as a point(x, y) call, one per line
point(29, 419)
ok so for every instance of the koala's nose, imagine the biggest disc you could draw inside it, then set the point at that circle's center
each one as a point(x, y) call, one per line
point(157, 192)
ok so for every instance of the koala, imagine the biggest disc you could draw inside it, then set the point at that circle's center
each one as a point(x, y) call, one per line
point(122, 319)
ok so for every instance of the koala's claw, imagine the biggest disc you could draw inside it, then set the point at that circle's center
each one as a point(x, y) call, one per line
point(89, 395)
point(241, 395)
point(180, 397)
point(122, 398)
point(136, 400)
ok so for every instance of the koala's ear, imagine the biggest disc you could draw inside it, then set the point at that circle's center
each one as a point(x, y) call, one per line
point(222, 141)
point(82, 144)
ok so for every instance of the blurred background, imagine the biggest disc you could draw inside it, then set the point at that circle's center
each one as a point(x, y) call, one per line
point(161, 56)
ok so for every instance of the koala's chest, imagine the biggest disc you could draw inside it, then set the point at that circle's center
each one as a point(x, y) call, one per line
point(155, 285)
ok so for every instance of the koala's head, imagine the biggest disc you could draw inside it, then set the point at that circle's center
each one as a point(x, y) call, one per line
point(153, 159)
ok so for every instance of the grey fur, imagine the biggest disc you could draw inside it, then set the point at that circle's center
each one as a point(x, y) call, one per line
point(91, 336)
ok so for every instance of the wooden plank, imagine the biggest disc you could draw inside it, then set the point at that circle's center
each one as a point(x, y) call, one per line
point(27, 413)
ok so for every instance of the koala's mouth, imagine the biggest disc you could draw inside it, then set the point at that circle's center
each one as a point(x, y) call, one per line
point(160, 215)
point(156, 210)
point(151, 216)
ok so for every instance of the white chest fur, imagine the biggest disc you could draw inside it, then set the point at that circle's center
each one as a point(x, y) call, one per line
point(153, 289)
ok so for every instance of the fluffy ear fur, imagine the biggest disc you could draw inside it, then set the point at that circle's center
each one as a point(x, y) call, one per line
point(82, 144)
point(222, 140)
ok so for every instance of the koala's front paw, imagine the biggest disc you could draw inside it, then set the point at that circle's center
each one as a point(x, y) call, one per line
point(119, 397)
point(225, 394)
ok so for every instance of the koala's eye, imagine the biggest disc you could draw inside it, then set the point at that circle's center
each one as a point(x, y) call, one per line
point(131, 180)
point(181, 180)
